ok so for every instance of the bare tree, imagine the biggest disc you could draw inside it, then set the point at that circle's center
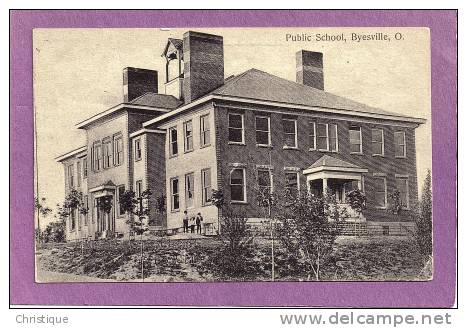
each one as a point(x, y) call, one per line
point(42, 211)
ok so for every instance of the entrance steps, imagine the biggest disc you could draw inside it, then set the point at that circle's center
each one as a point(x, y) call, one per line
point(353, 228)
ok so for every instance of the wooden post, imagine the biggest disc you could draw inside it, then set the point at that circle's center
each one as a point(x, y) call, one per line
point(325, 185)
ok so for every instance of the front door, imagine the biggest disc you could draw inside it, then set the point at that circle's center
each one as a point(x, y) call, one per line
point(105, 221)
point(336, 187)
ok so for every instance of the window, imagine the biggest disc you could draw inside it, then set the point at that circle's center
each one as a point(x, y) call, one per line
point(139, 188)
point(85, 167)
point(120, 192)
point(237, 185)
point(291, 183)
point(97, 153)
point(137, 149)
point(236, 132)
point(95, 213)
point(290, 133)
point(263, 136)
point(399, 140)
point(189, 190)
point(174, 193)
point(206, 186)
point(322, 136)
point(355, 134)
point(173, 142)
point(78, 173)
point(264, 181)
point(70, 174)
point(333, 142)
point(72, 219)
point(380, 192)
point(402, 185)
point(312, 134)
point(188, 130)
point(86, 206)
point(107, 152)
point(118, 149)
point(204, 131)
point(377, 142)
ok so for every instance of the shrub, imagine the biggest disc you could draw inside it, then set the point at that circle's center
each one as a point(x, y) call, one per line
point(235, 258)
point(356, 200)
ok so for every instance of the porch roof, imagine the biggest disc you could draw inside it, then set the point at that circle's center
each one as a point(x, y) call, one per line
point(329, 163)
point(109, 185)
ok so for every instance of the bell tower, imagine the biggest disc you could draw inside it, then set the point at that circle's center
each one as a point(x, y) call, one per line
point(174, 68)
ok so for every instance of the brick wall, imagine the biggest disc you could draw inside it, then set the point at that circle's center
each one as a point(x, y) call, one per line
point(136, 120)
point(155, 173)
point(191, 162)
point(81, 228)
point(251, 155)
point(204, 64)
point(119, 175)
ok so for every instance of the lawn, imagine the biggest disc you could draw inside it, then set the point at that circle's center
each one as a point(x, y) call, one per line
point(354, 258)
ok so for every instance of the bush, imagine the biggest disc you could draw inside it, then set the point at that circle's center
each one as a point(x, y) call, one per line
point(356, 200)
point(235, 258)
point(54, 232)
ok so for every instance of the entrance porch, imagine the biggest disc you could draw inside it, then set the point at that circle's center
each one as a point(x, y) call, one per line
point(333, 176)
point(105, 220)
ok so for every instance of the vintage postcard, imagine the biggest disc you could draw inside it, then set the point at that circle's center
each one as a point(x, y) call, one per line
point(232, 154)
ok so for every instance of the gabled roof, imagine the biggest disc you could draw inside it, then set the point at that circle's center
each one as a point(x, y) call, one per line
point(256, 84)
point(328, 161)
point(177, 43)
point(157, 100)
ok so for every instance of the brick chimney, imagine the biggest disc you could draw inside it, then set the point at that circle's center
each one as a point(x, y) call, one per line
point(203, 56)
point(137, 82)
point(310, 69)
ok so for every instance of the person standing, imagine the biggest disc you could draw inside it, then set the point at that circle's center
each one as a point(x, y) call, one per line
point(185, 222)
point(199, 220)
point(192, 225)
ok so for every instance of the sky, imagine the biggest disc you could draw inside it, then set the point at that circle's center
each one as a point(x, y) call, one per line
point(78, 73)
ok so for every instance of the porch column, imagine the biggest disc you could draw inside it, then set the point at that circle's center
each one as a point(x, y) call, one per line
point(359, 184)
point(325, 185)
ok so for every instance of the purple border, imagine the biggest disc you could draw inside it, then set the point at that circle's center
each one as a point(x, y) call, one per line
point(439, 292)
